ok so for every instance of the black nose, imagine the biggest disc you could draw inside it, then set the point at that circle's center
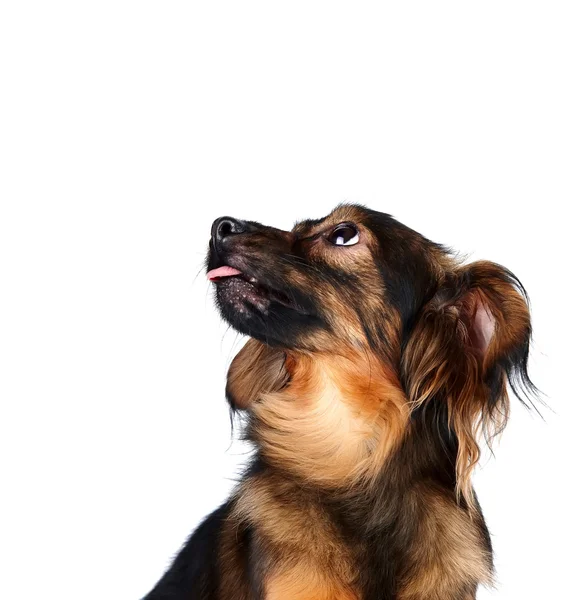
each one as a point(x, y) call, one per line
point(224, 227)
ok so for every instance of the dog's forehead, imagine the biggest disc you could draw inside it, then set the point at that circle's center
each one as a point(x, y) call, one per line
point(340, 214)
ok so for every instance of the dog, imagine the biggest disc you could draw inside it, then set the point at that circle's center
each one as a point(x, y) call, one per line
point(376, 361)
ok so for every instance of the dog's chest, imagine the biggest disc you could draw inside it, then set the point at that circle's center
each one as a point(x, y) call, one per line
point(301, 550)
point(304, 552)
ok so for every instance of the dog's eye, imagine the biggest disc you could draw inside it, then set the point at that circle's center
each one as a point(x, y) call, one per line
point(345, 234)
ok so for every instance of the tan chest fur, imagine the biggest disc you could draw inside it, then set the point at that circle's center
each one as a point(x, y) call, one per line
point(307, 557)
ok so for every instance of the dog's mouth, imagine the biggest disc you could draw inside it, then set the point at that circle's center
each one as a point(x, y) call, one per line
point(243, 290)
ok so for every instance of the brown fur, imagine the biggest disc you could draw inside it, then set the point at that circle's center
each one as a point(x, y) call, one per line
point(303, 582)
point(255, 371)
point(447, 553)
point(446, 342)
point(331, 425)
point(298, 537)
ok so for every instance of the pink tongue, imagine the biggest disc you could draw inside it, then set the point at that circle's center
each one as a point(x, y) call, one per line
point(222, 272)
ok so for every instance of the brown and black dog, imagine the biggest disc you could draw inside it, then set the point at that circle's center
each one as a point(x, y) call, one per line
point(376, 361)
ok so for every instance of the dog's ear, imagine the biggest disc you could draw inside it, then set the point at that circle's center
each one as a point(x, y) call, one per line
point(470, 341)
point(256, 370)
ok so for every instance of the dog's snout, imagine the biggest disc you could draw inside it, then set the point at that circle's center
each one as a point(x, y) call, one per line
point(224, 227)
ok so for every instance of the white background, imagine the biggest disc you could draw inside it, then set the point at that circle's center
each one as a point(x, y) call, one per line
point(125, 129)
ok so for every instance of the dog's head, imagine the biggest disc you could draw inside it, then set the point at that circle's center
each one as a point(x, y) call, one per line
point(357, 277)
point(360, 282)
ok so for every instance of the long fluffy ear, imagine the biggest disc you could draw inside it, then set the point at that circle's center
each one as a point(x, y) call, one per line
point(256, 370)
point(470, 341)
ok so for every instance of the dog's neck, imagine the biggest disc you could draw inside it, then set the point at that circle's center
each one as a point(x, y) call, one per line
point(336, 421)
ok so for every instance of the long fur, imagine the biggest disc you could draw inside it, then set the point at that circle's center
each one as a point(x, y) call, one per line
point(371, 375)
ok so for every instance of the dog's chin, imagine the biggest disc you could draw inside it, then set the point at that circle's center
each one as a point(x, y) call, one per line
point(239, 299)
point(262, 313)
